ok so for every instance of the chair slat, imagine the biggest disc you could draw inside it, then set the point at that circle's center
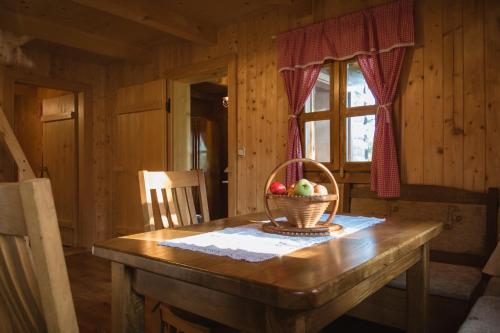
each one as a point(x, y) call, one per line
point(161, 206)
point(172, 209)
point(11, 211)
point(146, 201)
point(183, 206)
point(190, 202)
point(203, 196)
point(17, 292)
point(179, 208)
point(34, 287)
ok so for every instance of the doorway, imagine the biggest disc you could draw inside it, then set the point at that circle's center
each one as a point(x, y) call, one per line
point(202, 128)
point(209, 105)
point(46, 123)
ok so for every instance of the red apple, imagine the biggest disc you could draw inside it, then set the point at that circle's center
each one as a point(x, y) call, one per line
point(277, 188)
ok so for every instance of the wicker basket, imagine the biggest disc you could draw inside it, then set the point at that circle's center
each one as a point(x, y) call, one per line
point(302, 211)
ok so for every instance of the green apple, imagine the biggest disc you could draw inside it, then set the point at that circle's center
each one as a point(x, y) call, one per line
point(303, 188)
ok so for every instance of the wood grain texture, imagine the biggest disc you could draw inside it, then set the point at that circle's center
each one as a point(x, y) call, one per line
point(48, 258)
point(176, 206)
point(78, 74)
point(127, 308)
point(474, 111)
point(60, 156)
point(417, 282)
point(294, 276)
point(251, 296)
point(140, 128)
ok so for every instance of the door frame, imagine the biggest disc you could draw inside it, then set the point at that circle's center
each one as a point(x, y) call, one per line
point(85, 225)
point(199, 72)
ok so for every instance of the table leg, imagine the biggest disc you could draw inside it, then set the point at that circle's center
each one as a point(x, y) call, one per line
point(127, 307)
point(417, 289)
point(278, 321)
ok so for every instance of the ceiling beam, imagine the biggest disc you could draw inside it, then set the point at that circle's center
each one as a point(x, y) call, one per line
point(155, 16)
point(68, 36)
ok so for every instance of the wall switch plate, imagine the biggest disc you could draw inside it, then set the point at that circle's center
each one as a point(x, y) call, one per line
point(241, 152)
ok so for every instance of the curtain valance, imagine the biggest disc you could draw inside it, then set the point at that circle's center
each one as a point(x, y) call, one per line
point(373, 30)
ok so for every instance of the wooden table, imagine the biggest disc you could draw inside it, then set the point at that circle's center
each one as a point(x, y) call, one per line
point(299, 292)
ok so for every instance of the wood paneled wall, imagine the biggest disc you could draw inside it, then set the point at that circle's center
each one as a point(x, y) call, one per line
point(450, 114)
point(51, 68)
point(262, 103)
point(449, 120)
point(449, 90)
point(27, 123)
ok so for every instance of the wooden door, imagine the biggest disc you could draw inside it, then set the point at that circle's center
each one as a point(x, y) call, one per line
point(140, 134)
point(59, 158)
point(180, 140)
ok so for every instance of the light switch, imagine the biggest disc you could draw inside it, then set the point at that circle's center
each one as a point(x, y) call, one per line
point(241, 152)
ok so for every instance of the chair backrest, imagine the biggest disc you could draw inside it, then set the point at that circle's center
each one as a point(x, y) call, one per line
point(469, 218)
point(35, 295)
point(173, 191)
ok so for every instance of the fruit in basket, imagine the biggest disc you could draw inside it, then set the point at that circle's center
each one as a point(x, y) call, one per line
point(320, 190)
point(303, 188)
point(278, 188)
point(291, 189)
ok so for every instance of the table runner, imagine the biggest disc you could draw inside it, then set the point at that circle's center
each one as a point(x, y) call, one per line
point(250, 243)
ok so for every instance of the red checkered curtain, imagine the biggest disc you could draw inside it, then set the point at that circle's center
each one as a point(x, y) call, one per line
point(381, 72)
point(378, 37)
point(299, 84)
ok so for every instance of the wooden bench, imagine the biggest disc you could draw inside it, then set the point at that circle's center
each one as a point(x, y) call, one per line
point(468, 238)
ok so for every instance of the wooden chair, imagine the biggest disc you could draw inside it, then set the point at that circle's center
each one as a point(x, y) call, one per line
point(173, 191)
point(35, 295)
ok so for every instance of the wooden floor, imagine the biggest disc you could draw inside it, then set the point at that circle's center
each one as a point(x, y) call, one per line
point(90, 279)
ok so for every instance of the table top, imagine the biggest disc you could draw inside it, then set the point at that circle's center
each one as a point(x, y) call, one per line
point(306, 278)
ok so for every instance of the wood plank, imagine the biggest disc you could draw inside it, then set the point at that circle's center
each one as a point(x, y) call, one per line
point(417, 282)
point(183, 209)
point(203, 196)
point(259, 281)
point(13, 147)
point(60, 165)
point(224, 308)
point(153, 15)
point(190, 201)
point(68, 36)
point(140, 144)
point(172, 209)
point(453, 95)
point(334, 309)
point(162, 208)
point(492, 91)
point(427, 193)
point(412, 163)
point(127, 308)
point(474, 112)
point(433, 93)
point(48, 258)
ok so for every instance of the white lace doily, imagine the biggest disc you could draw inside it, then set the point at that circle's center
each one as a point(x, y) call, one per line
point(250, 243)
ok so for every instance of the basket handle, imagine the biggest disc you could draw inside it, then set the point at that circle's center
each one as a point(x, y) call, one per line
point(305, 160)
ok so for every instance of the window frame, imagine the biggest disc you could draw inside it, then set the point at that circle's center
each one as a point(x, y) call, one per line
point(338, 114)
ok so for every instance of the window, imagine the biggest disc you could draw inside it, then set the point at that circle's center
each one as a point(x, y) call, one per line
point(338, 121)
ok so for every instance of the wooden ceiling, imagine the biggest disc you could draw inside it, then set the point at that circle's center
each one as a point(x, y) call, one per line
point(124, 28)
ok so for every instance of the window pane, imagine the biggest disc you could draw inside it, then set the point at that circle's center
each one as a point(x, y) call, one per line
point(358, 93)
point(317, 140)
point(359, 141)
point(319, 100)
